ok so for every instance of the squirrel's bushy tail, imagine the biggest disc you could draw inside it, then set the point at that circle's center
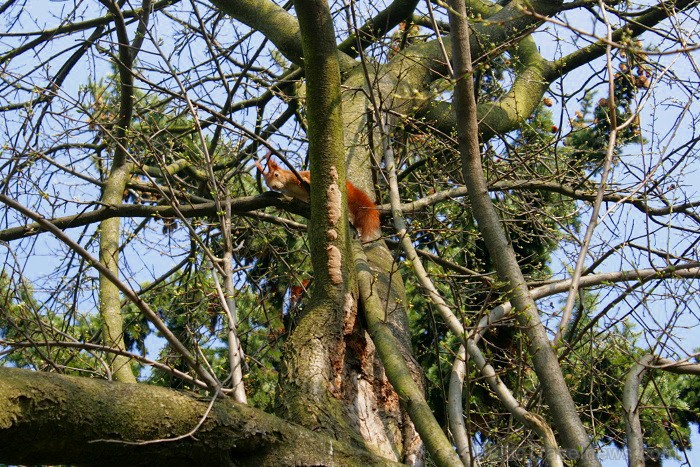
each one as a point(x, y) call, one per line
point(363, 214)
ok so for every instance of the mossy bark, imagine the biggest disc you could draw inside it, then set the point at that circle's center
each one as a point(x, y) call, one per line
point(119, 175)
point(110, 299)
point(46, 418)
point(309, 387)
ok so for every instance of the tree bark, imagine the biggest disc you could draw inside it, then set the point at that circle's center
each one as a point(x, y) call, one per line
point(310, 386)
point(46, 418)
point(572, 433)
point(119, 176)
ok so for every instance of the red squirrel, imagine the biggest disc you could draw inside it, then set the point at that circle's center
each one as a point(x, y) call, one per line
point(362, 211)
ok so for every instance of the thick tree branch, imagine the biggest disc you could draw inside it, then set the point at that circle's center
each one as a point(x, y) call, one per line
point(396, 369)
point(47, 418)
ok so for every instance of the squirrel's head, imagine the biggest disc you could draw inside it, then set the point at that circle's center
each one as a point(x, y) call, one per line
point(272, 173)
